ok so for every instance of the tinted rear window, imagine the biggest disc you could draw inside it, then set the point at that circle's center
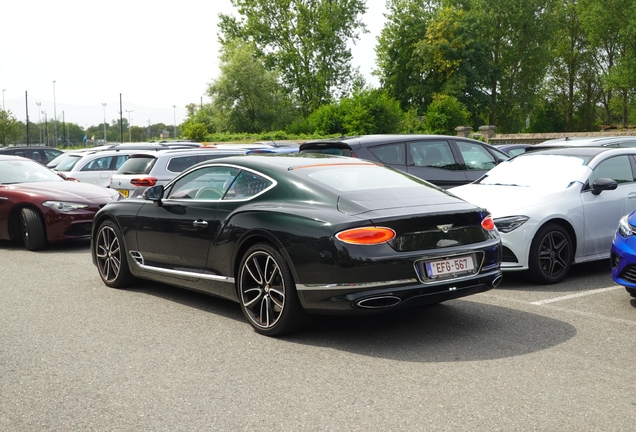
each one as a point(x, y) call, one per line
point(337, 149)
point(137, 165)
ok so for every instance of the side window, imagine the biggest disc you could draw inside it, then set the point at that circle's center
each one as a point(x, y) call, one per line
point(208, 183)
point(181, 163)
point(246, 185)
point(120, 161)
point(475, 156)
point(617, 168)
point(98, 164)
point(36, 156)
point(50, 155)
point(392, 154)
point(431, 154)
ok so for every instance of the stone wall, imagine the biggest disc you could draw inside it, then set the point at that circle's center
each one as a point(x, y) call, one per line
point(488, 134)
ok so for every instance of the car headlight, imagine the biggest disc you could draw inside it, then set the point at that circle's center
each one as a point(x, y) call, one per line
point(64, 207)
point(507, 224)
point(624, 228)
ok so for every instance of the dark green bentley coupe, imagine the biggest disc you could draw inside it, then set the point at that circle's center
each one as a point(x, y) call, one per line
point(289, 235)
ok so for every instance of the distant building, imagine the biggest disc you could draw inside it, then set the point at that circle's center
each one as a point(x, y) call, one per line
point(164, 134)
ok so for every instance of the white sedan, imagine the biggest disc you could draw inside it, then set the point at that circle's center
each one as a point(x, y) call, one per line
point(557, 207)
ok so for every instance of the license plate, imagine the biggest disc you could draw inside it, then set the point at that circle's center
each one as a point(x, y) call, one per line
point(450, 267)
point(124, 192)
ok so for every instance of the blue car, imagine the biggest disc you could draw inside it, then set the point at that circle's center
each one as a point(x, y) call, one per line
point(623, 254)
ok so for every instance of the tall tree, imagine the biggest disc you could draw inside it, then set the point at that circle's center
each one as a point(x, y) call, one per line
point(399, 73)
point(246, 97)
point(306, 40)
point(10, 127)
point(519, 32)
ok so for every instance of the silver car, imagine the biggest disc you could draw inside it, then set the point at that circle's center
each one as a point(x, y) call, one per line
point(145, 169)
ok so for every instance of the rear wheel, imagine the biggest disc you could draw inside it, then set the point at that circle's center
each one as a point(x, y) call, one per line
point(267, 292)
point(110, 254)
point(32, 229)
point(551, 254)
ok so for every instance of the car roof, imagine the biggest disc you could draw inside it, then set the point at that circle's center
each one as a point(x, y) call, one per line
point(580, 151)
point(286, 162)
point(4, 157)
point(189, 151)
point(383, 138)
point(585, 141)
point(32, 147)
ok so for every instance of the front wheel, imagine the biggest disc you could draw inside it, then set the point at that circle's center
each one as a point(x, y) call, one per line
point(267, 292)
point(551, 254)
point(32, 229)
point(110, 254)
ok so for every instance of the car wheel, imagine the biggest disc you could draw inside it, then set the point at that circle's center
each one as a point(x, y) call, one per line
point(32, 229)
point(550, 254)
point(631, 291)
point(110, 254)
point(267, 292)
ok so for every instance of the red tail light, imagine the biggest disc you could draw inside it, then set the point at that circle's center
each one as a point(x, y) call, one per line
point(488, 224)
point(353, 154)
point(72, 179)
point(366, 236)
point(144, 181)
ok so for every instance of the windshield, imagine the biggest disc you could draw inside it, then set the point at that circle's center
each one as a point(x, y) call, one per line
point(25, 171)
point(68, 162)
point(554, 171)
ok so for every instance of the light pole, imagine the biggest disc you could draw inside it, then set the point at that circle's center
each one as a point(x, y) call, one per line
point(4, 90)
point(46, 128)
point(148, 129)
point(129, 124)
point(104, 105)
point(54, 117)
point(39, 104)
point(174, 120)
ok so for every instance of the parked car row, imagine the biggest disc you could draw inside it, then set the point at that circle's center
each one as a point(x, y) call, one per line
point(291, 231)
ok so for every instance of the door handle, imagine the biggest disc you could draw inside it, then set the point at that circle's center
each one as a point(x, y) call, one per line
point(200, 224)
point(631, 195)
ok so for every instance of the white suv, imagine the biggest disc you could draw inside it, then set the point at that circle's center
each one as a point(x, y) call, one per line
point(145, 169)
point(95, 167)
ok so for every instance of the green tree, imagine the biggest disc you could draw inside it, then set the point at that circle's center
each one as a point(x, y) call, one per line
point(308, 41)
point(518, 34)
point(399, 74)
point(10, 127)
point(195, 131)
point(247, 97)
point(444, 114)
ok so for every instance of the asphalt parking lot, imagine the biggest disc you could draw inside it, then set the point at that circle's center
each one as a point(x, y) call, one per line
point(78, 356)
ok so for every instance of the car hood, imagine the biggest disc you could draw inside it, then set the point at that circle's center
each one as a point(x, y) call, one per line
point(67, 191)
point(502, 200)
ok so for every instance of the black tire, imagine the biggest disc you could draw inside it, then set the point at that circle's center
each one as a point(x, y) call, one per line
point(32, 229)
point(110, 256)
point(267, 292)
point(631, 291)
point(551, 254)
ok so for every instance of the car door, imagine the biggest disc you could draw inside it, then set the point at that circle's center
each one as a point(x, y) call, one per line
point(433, 160)
point(176, 235)
point(603, 211)
point(476, 159)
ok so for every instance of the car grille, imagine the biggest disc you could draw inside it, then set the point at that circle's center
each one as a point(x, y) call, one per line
point(507, 255)
point(628, 273)
point(79, 230)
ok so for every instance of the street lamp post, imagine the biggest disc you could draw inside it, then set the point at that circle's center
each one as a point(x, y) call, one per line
point(54, 117)
point(129, 124)
point(174, 120)
point(104, 105)
point(39, 104)
point(4, 90)
point(46, 128)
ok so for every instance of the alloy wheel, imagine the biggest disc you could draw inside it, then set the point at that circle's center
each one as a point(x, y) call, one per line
point(554, 255)
point(108, 254)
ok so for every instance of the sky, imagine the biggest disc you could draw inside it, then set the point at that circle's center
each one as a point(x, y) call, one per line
point(73, 56)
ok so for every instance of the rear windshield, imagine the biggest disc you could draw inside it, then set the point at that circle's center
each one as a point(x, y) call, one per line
point(68, 162)
point(361, 178)
point(137, 165)
point(337, 150)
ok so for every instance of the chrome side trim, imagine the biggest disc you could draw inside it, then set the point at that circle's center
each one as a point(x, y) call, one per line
point(349, 286)
point(179, 273)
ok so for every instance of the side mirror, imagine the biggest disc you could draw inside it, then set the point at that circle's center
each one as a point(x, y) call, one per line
point(601, 184)
point(153, 193)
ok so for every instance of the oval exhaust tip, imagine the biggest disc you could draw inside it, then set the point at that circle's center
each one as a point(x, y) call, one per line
point(379, 302)
point(497, 281)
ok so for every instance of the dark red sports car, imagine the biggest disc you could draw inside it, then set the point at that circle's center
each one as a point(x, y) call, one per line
point(38, 206)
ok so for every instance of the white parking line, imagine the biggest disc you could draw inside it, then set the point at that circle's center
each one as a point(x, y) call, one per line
point(581, 294)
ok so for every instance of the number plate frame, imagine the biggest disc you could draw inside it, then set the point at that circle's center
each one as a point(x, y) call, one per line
point(426, 276)
point(124, 192)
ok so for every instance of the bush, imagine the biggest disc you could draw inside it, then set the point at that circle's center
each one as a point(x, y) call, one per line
point(444, 114)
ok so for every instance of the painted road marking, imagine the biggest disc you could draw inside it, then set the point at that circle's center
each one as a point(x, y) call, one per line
point(581, 294)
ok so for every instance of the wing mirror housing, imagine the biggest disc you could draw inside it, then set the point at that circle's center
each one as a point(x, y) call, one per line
point(153, 193)
point(601, 184)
